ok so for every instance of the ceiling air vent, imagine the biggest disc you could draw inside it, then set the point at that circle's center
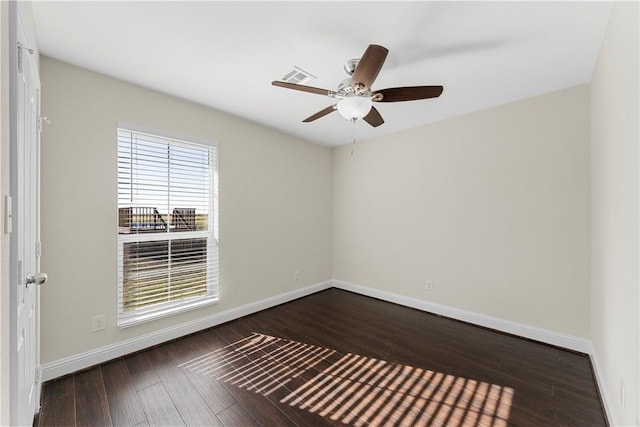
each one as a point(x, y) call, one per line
point(298, 76)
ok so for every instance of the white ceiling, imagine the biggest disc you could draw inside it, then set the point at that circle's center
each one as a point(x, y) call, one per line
point(225, 54)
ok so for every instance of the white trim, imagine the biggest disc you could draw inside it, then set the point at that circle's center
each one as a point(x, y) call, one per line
point(582, 345)
point(77, 362)
point(182, 138)
point(599, 378)
point(167, 309)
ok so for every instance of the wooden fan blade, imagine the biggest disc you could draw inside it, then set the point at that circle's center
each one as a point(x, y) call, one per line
point(304, 88)
point(320, 113)
point(369, 66)
point(409, 93)
point(374, 118)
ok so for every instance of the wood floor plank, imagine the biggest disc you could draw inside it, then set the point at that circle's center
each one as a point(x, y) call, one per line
point(213, 392)
point(141, 370)
point(58, 403)
point(124, 404)
point(58, 412)
point(236, 415)
point(158, 406)
point(92, 407)
point(388, 364)
point(56, 389)
point(189, 403)
point(262, 410)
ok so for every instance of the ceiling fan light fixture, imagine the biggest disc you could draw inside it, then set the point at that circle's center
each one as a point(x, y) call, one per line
point(354, 107)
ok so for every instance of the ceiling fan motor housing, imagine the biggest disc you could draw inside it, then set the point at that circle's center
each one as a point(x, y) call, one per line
point(350, 66)
point(345, 90)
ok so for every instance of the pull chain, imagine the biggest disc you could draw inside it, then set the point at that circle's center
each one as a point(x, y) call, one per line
point(354, 135)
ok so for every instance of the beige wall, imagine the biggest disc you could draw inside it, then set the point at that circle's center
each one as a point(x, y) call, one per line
point(275, 204)
point(492, 206)
point(615, 323)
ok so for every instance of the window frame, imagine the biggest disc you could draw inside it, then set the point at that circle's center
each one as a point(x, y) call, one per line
point(160, 310)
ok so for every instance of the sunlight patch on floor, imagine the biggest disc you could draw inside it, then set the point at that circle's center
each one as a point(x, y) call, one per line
point(355, 389)
point(261, 363)
point(362, 391)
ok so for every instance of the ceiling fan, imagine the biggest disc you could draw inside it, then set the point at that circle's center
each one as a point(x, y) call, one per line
point(355, 95)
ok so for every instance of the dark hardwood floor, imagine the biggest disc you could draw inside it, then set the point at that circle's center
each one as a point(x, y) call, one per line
point(333, 358)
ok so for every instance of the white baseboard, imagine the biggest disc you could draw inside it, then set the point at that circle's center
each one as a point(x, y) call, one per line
point(606, 400)
point(520, 329)
point(99, 355)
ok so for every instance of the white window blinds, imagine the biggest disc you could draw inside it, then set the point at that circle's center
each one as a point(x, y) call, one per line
point(167, 226)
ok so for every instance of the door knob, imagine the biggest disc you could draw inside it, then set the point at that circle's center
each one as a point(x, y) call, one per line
point(38, 279)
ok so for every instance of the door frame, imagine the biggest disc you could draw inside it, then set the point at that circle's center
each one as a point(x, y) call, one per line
point(5, 335)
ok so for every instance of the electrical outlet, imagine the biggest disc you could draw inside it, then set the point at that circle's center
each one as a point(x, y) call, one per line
point(296, 275)
point(429, 285)
point(97, 323)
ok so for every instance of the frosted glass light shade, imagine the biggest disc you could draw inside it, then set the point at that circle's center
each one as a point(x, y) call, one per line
point(354, 107)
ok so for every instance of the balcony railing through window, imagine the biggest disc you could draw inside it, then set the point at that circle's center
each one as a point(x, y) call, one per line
point(147, 219)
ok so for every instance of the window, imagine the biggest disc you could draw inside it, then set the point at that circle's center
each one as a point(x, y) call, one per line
point(167, 226)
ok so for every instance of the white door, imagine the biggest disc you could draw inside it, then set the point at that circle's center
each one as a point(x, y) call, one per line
point(25, 148)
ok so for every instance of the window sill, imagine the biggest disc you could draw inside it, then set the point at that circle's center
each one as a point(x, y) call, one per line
point(150, 315)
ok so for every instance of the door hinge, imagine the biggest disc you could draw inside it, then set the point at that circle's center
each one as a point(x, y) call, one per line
point(38, 374)
point(8, 215)
point(43, 120)
point(22, 47)
point(39, 249)
point(20, 273)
